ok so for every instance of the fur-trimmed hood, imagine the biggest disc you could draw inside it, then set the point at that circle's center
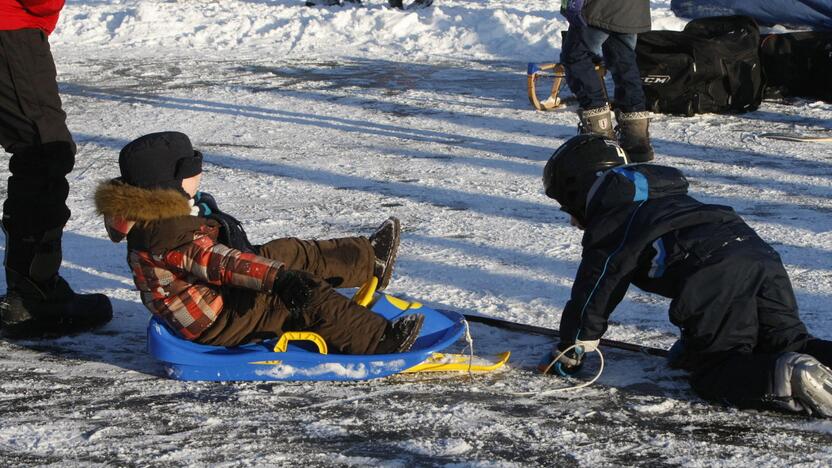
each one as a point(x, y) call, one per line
point(123, 206)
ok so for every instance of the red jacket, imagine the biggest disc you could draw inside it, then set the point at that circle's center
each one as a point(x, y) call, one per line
point(30, 14)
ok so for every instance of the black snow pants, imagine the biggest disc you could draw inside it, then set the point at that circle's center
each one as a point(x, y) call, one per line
point(33, 129)
point(738, 313)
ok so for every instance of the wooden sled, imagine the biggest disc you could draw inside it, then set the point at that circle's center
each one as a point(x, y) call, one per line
point(555, 70)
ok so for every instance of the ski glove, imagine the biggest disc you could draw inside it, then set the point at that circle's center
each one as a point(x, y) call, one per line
point(294, 288)
point(572, 10)
point(588, 346)
point(568, 364)
point(206, 204)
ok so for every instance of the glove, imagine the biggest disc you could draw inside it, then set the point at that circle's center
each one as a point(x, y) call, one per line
point(206, 203)
point(587, 346)
point(572, 10)
point(568, 364)
point(294, 288)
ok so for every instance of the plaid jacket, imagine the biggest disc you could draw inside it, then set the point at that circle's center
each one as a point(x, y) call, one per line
point(182, 285)
point(177, 264)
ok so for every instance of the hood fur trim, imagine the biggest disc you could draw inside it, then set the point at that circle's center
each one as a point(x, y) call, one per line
point(115, 199)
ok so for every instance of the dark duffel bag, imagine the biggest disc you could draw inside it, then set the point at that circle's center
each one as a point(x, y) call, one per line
point(713, 65)
point(798, 65)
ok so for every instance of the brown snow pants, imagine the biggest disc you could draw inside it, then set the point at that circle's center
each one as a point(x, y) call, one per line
point(346, 327)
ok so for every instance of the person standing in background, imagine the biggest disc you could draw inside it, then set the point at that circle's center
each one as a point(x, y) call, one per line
point(608, 29)
point(38, 302)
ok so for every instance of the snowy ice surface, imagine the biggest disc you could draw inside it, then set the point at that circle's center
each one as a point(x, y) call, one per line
point(321, 122)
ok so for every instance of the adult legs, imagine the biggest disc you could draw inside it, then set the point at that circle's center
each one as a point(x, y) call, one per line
point(33, 129)
point(582, 48)
point(620, 59)
point(633, 129)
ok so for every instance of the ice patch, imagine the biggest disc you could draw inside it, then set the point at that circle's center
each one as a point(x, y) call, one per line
point(46, 438)
point(658, 408)
point(325, 429)
point(437, 447)
point(285, 371)
point(350, 371)
point(819, 426)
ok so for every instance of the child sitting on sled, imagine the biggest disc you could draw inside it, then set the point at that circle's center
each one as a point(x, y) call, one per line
point(742, 338)
point(215, 294)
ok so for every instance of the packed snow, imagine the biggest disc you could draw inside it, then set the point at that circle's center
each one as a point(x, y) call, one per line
point(321, 122)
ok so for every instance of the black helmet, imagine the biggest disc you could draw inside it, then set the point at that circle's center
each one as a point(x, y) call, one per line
point(573, 168)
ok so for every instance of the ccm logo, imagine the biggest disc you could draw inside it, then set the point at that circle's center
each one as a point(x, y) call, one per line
point(655, 79)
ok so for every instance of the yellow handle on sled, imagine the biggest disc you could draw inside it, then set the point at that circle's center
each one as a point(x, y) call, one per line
point(283, 342)
point(365, 295)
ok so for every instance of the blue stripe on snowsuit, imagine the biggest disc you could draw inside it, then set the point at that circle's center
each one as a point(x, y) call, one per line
point(638, 180)
point(604, 271)
point(657, 270)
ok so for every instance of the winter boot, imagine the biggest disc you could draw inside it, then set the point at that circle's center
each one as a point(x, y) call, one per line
point(385, 243)
point(49, 308)
point(396, 4)
point(597, 121)
point(634, 135)
point(803, 384)
point(400, 335)
point(39, 302)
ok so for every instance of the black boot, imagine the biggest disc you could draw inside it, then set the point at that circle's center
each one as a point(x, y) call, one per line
point(50, 308)
point(634, 135)
point(597, 121)
point(396, 4)
point(400, 335)
point(385, 242)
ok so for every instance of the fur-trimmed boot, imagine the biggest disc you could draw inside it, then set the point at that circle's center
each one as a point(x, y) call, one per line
point(597, 121)
point(634, 135)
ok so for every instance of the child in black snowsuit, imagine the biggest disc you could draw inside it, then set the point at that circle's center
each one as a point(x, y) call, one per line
point(742, 338)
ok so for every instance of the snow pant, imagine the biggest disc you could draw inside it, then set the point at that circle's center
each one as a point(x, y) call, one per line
point(583, 46)
point(738, 313)
point(33, 129)
point(347, 328)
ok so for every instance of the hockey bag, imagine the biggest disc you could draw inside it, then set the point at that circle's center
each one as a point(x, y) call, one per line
point(713, 65)
point(798, 65)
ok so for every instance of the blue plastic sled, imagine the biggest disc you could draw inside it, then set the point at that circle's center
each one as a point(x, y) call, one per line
point(302, 360)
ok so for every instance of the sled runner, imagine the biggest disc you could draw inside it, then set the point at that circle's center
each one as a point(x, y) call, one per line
point(304, 355)
point(798, 137)
point(556, 71)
